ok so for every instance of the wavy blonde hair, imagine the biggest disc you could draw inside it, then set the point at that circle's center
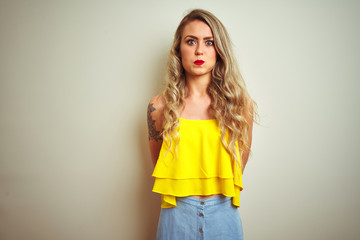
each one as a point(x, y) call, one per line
point(230, 100)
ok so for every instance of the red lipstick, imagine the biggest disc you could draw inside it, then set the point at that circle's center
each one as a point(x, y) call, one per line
point(199, 62)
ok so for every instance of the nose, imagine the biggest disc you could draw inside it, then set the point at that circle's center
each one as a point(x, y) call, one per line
point(199, 50)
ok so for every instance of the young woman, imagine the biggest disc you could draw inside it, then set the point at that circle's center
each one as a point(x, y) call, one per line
point(200, 132)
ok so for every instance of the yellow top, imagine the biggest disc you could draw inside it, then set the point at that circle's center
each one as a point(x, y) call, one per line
point(201, 165)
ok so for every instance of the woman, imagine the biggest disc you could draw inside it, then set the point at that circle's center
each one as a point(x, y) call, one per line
point(200, 132)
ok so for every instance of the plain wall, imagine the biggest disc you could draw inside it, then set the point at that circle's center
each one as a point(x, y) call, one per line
point(75, 80)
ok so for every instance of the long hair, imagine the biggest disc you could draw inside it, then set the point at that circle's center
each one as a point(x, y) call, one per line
point(230, 100)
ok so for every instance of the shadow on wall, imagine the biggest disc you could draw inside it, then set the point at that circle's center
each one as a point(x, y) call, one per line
point(150, 207)
point(150, 210)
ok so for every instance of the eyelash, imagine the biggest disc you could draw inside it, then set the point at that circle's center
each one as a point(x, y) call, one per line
point(192, 42)
point(212, 43)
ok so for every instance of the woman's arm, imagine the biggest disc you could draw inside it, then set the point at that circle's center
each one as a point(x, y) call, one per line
point(155, 118)
point(250, 120)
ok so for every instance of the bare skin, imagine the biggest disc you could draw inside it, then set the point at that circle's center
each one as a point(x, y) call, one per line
point(196, 43)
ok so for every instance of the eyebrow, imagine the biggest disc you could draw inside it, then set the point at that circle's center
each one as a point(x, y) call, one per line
point(192, 36)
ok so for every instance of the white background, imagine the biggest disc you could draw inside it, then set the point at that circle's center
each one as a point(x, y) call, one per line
point(75, 80)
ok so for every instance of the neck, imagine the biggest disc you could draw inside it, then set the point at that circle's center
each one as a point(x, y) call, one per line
point(197, 85)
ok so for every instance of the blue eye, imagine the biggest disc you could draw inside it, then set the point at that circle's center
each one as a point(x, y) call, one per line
point(191, 42)
point(210, 43)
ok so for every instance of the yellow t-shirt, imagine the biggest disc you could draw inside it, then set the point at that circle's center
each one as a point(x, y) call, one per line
point(201, 165)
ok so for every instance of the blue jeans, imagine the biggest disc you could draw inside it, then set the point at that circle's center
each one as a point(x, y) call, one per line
point(200, 219)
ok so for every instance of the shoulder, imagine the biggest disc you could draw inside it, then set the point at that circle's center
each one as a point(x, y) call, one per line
point(157, 102)
point(250, 105)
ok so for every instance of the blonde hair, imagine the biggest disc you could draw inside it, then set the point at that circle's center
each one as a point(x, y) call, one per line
point(227, 90)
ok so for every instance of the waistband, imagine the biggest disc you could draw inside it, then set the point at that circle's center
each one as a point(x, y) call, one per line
point(204, 202)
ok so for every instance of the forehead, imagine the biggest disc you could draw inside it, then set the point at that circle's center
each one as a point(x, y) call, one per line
point(197, 28)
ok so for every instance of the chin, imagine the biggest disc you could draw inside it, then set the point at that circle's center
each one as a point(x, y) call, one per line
point(200, 72)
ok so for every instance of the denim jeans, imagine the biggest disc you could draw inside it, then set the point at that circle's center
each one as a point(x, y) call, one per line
point(200, 219)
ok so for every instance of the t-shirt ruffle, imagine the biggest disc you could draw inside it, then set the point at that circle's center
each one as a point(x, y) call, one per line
point(172, 188)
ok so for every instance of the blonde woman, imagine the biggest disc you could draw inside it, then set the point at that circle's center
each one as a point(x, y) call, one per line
point(200, 131)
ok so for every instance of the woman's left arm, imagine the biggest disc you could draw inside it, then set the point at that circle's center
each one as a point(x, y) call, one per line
point(250, 120)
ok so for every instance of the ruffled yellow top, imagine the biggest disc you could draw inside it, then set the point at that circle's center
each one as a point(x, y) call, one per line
point(201, 165)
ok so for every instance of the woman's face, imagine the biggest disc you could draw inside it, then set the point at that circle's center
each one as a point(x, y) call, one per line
point(197, 50)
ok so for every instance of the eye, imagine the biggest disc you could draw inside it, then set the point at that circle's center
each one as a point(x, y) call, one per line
point(191, 42)
point(209, 43)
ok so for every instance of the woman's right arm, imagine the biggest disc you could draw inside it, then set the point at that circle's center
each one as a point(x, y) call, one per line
point(155, 119)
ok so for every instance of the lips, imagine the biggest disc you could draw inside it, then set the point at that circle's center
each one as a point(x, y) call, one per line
point(199, 62)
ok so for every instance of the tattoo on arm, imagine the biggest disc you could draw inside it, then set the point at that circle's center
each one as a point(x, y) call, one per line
point(153, 133)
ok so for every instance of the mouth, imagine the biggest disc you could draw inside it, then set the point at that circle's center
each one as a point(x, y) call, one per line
point(199, 62)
